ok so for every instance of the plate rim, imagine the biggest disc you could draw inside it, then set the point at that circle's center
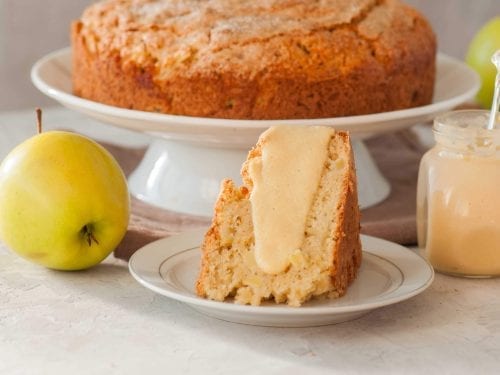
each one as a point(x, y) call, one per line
point(204, 122)
point(202, 303)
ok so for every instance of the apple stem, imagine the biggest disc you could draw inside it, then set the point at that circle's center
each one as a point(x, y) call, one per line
point(87, 231)
point(38, 120)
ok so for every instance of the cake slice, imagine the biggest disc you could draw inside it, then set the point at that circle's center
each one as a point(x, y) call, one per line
point(291, 232)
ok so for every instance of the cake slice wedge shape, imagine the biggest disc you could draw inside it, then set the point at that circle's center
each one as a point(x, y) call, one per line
point(291, 231)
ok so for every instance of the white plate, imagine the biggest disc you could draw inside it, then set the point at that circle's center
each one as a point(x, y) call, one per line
point(455, 84)
point(389, 273)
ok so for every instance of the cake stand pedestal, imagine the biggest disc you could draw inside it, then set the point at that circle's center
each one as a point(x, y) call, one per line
point(185, 177)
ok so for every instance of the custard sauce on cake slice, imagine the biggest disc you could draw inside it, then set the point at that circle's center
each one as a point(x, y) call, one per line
point(284, 180)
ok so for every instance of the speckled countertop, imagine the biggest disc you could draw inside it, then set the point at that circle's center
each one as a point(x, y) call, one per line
point(101, 321)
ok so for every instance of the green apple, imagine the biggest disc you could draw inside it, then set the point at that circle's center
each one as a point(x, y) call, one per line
point(64, 201)
point(481, 49)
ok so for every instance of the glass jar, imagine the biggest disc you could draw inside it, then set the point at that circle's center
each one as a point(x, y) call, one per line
point(458, 196)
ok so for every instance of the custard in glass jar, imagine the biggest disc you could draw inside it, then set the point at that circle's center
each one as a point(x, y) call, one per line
point(458, 196)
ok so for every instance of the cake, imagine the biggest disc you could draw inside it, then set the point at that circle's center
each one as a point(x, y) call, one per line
point(291, 232)
point(239, 59)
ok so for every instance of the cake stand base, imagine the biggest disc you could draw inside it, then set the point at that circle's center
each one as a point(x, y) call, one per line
point(185, 177)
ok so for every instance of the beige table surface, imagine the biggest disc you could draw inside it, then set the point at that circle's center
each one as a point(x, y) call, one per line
point(103, 322)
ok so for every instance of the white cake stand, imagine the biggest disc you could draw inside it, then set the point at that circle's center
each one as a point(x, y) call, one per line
point(189, 156)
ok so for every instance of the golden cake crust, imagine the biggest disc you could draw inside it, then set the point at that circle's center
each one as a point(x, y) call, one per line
point(254, 60)
point(347, 251)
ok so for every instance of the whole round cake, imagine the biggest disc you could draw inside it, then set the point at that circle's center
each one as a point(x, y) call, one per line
point(268, 59)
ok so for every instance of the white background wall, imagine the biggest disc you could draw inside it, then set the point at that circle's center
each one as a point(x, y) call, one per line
point(31, 28)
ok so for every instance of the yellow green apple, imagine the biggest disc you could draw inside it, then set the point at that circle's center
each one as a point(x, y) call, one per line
point(64, 201)
point(481, 49)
